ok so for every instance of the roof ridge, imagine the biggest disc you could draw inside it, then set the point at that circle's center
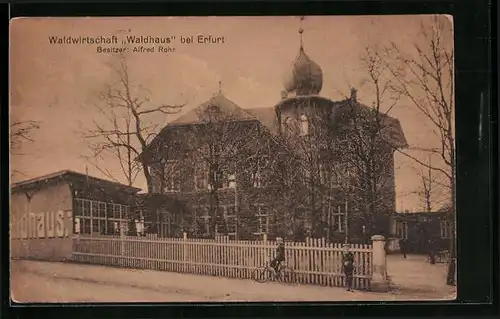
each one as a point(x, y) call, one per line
point(61, 173)
point(192, 116)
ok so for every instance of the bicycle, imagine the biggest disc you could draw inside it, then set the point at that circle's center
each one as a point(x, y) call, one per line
point(266, 273)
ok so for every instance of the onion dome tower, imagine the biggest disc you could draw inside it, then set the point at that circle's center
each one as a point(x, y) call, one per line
point(305, 76)
point(300, 102)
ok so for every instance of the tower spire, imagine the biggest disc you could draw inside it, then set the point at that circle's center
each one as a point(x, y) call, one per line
point(220, 86)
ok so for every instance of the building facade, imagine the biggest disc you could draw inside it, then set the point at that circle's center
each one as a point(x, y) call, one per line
point(420, 227)
point(308, 166)
point(47, 211)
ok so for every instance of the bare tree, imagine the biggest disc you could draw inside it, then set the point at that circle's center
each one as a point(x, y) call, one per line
point(222, 148)
point(432, 190)
point(125, 127)
point(369, 183)
point(20, 133)
point(367, 140)
point(425, 77)
point(340, 156)
point(427, 184)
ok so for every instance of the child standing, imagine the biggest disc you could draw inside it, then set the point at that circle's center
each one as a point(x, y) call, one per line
point(348, 266)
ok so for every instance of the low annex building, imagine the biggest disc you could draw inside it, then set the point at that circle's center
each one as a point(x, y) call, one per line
point(46, 211)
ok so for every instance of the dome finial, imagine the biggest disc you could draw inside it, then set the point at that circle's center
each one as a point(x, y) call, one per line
point(301, 31)
point(220, 86)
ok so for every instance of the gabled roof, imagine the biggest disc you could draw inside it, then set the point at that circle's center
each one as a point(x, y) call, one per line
point(267, 116)
point(69, 175)
point(392, 132)
point(228, 108)
point(225, 106)
point(391, 129)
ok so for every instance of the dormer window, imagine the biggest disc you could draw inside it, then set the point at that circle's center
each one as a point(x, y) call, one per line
point(259, 178)
point(213, 109)
point(304, 125)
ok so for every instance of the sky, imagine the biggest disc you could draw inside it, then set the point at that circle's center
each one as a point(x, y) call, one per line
point(57, 84)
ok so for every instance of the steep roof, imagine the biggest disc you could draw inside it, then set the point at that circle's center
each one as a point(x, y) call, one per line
point(391, 129)
point(225, 106)
point(393, 132)
point(268, 118)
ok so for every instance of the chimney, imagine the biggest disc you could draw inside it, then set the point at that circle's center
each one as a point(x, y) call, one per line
point(353, 96)
point(87, 174)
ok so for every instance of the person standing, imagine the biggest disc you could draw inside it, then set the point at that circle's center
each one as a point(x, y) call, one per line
point(432, 250)
point(402, 247)
point(348, 266)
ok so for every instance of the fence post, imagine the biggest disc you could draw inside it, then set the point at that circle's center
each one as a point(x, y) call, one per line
point(185, 257)
point(264, 250)
point(122, 238)
point(379, 280)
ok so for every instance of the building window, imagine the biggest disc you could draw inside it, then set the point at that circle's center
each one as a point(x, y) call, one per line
point(156, 175)
point(160, 223)
point(140, 224)
point(228, 180)
point(77, 225)
point(304, 125)
point(202, 219)
point(258, 176)
point(201, 176)
point(337, 219)
point(213, 110)
point(262, 220)
point(446, 228)
point(402, 229)
point(232, 181)
point(324, 176)
point(257, 180)
point(172, 177)
point(230, 219)
point(95, 217)
point(339, 174)
point(289, 126)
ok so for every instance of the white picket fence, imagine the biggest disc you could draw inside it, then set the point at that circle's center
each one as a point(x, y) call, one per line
point(313, 262)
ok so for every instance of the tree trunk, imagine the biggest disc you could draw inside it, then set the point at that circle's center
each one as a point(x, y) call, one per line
point(147, 175)
point(450, 278)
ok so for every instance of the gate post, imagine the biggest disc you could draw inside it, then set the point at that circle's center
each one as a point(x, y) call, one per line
point(184, 252)
point(379, 280)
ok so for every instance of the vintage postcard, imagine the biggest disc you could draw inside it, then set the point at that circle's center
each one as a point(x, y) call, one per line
point(158, 159)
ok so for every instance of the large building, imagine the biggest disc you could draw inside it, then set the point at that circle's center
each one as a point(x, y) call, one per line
point(307, 166)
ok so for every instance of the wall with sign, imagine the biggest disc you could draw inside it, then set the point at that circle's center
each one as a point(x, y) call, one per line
point(41, 222)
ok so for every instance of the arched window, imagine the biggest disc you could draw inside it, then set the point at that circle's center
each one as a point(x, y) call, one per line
point(304, 125)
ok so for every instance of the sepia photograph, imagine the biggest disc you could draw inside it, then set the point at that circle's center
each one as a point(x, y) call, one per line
point(232, 159)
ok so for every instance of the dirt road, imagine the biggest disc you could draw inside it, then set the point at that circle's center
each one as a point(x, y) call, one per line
point(34, 281)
